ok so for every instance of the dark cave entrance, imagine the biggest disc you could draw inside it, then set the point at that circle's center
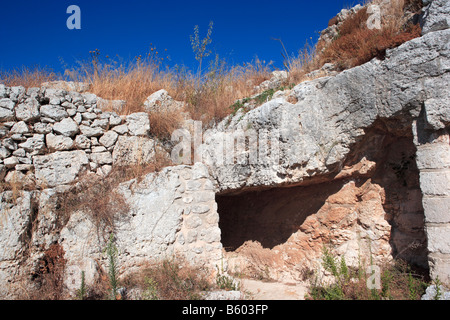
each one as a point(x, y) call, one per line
point(269, 217)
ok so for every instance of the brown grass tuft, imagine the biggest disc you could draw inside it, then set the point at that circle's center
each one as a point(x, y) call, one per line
point(50, 274)
point(169, 279)
point(357, 44)
point(27, 77)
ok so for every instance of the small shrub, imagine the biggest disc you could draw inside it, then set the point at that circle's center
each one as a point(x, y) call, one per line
point(111, 253)
point(82, 292)
point(49, 276)
point(226, 282)
point(398, 282)
point(356, 44)
point(169, 279)
point(151, 292)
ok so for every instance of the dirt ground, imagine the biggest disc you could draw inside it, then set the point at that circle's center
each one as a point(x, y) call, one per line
point(260, 290)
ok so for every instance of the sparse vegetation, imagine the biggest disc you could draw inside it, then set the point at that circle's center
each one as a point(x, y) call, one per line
point(357, 44)
point(49, 275)
point(112, 252)
point(82, 292)
point(169, 279)
point(398, 281)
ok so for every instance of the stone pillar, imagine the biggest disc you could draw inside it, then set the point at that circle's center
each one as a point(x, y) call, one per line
point(433, 162)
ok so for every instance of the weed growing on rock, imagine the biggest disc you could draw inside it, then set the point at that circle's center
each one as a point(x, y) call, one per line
point(112, 253)
point(398, 281)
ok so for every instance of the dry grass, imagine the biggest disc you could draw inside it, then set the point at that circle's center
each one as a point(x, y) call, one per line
point(170, 279)
point(49, 275)
point(357, 44)
point(207, 96)
point(27, 77)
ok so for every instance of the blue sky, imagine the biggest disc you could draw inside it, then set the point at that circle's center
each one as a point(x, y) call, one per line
point(35, 32)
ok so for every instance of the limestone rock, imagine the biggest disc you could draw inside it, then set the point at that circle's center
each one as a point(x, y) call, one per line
point(80, 241)
point(277, 79)
point(66, 127)
point(16, 214)
point(102, 158)
point(35, 144)
point(90, 98)
point(133, 150)
point(431, 293)
point(10, 162)
point(59, 168)
point(42, 128)
point(314, 135)
point(6, 114)
point(28, 111)
point(161, 101)
point(67, 85)
point(91, 132)
point(20, 127)
point(4, 153)
point(16, 93)
point(436, 17)
point(53, 112)
point(58, 143)
point(109, 139)
point(138, 124)
point(4, 91)
point(82, 142)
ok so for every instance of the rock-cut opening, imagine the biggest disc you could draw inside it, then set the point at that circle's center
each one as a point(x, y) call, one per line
point(269, 217)
point(382, 207)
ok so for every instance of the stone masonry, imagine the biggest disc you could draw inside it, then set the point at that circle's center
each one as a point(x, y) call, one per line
point(433, 161)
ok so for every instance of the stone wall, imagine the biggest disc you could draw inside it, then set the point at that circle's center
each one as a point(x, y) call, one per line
point(433, 160)
point(49, 136)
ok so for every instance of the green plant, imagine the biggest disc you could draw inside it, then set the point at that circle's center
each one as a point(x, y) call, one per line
point(387, 278)
point(199, 46)
point(255, 101)
point(81, 293)
point(226, 282)
point(437, 283)
point(151, 293)
point(397, 280)
point(112, 253)
point(339, 270)
point(264, 97)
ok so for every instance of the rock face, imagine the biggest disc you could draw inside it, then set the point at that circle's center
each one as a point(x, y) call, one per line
point(60, 167)
point(316, 134)
point(170, 213)
point(436, 16)
point(161, 101)
point(357, 161)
